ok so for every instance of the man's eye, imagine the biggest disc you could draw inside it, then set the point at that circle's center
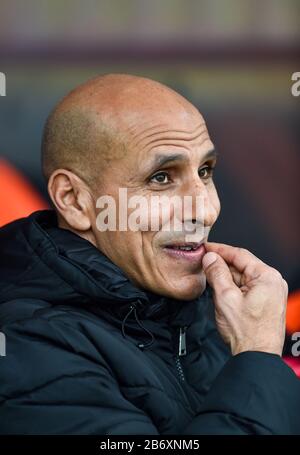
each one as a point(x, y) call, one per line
point(206, 172)
point(160, 177)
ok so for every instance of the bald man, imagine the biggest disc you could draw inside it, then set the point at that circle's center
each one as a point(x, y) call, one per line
point(110, 325)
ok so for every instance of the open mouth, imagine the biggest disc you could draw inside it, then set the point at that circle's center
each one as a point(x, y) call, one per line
point(186, 246)
point(187, 251)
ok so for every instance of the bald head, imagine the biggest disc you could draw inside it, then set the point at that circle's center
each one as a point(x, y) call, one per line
point(96, 122)
point(120, 132)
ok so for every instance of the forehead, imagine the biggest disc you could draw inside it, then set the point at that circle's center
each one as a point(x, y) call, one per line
point(186, 141)
point(167, 123)
point(156, 129)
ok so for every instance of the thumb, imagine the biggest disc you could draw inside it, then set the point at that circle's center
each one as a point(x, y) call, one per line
point(218, 273)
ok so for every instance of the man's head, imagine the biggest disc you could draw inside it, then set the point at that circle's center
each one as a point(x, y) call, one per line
point(121, 131)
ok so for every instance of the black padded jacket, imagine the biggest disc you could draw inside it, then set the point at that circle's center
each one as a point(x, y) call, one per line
point(87, 352)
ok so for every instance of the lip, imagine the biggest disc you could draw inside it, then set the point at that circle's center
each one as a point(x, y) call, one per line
point(193, 256)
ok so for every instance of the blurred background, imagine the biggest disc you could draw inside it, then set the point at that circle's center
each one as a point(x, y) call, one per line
point(233, 59)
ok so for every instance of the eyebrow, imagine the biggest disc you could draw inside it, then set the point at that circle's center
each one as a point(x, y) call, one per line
point(162, 159)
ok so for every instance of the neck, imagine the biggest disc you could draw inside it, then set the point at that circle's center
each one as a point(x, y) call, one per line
point(87, 235)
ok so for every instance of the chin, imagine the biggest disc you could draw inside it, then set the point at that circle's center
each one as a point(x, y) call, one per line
point(188, 289)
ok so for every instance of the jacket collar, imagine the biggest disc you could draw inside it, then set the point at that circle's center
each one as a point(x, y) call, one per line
point(70, 270)
point(91, 273)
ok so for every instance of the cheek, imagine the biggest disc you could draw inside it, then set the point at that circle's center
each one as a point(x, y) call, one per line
point(215, 202)
point(120, 247)
point(160, 214)
point(151, 214)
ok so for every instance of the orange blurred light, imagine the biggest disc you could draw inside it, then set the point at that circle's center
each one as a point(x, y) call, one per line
point(18, 198)
point(293, 312)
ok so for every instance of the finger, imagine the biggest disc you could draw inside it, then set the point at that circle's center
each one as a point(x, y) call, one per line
point(237, 276)
point(240, 258)
point(218, 274)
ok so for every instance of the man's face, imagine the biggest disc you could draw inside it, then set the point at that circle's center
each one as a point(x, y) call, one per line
point(168, 154)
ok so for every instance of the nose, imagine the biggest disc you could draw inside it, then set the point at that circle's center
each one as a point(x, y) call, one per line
point(204, 205)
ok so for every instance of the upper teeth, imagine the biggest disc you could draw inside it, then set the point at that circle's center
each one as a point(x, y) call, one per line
point(186, 247)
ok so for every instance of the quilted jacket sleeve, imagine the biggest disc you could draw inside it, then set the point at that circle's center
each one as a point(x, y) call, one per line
point(47, 388)
point(255, 393)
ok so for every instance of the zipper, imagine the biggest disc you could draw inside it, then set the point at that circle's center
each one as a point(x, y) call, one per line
point(187, 394)
point(179, 368)
point(182, 341)
point(181, 352)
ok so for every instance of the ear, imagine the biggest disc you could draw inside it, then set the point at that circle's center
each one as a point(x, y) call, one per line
point(72, 199)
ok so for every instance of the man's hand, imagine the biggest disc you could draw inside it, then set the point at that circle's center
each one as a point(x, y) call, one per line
point(250, 299)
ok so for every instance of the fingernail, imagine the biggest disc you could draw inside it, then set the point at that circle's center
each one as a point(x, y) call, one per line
point(208, 259)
